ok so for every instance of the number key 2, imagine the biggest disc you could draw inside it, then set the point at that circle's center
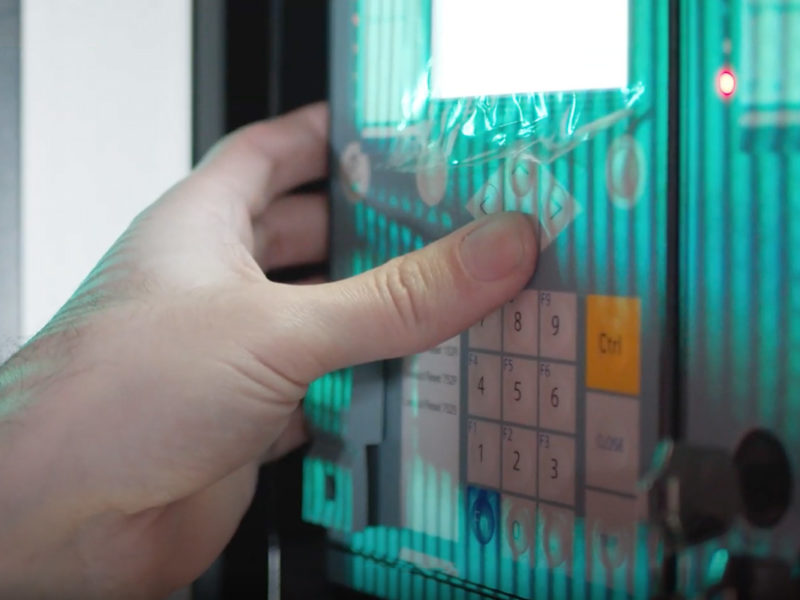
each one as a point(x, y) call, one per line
point(519, 460)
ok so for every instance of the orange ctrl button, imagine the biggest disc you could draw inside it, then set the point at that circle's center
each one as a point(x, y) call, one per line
point(613, 326)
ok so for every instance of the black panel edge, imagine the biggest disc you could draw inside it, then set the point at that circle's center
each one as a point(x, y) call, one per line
point(208, 75)
point(208, 125)
point(276, 23)
point(10, 187)
point(672, 416)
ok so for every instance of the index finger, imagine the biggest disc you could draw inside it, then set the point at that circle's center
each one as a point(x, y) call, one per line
point(261, 161)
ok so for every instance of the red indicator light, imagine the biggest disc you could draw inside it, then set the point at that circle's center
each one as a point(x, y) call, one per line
point(726, 83)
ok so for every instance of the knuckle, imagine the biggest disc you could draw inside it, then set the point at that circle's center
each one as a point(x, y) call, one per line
point(406, 285)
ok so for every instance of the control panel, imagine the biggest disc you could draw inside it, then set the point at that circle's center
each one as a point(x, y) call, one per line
point(508, 457)
point(627, 426)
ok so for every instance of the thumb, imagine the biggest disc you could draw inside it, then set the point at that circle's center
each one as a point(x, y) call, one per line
point(416, 301)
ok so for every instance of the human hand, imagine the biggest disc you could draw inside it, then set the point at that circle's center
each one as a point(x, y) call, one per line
point(132, 427)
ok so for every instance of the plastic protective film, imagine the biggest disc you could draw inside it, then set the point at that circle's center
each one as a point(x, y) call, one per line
point(504, 460)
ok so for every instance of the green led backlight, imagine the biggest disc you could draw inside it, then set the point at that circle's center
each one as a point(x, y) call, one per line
point(740, 202)
point(740, 197)
point(392, 24)
point(327, 399)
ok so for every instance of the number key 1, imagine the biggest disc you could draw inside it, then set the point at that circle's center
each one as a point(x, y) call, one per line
point(483, 453)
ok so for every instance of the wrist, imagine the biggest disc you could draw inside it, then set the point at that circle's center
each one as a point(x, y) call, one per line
point(36, 504)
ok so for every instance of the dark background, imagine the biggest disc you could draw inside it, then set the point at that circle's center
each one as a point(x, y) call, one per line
point(255, 59)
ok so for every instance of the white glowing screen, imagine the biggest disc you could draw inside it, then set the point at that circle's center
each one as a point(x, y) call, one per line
point(508, 47)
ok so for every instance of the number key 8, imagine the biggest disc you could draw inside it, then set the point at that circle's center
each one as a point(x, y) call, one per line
point(521, 324)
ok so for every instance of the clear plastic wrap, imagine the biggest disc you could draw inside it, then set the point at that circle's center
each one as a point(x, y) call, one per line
point(542, 126)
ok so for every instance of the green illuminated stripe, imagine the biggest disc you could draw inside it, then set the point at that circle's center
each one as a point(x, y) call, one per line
point(358, 575)
point(713, 276)
point(560, 171)
point(742, 250)
point(395, 48)
point(392, 60)
point(581, 226)
point(357, 39)
point(599, 205)
point(769, 292)
point(375, 84)
point(690, 177)
point(790, 429)
point(655, 141)
point(791, 275)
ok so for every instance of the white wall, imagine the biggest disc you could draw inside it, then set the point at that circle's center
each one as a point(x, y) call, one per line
point(106, 128)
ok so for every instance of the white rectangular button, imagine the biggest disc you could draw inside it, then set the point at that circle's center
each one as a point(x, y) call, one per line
point(519, 460)
point(610, 533)
point(483, 453)
point(483, 394)
point(485, 334)
point(521, 324)
point(612, 442)
point(557, 396)
point(558, 324)
point(557, 468)
point(519, 391)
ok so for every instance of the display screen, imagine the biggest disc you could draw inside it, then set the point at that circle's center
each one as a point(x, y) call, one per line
point(500, 49)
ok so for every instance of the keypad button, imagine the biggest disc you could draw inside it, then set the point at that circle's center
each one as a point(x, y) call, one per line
point(612, 442)
point(355, 172)
point(613, 327)
point(557, 396)
point(557, 468)
point(522, 172)
point(483, 395)
point(484, 518)
point(521, 324)
point(432, 171)
point(519, 460)
point(557, 526)
point(519, 391)
point(519, 529)
point(557, 325)
point(610, 531)
point(485, 334)
point(489, 199)
point(557, 210)
point(483, 453)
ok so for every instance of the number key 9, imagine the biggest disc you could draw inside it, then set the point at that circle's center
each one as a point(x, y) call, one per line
point(558, 313)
